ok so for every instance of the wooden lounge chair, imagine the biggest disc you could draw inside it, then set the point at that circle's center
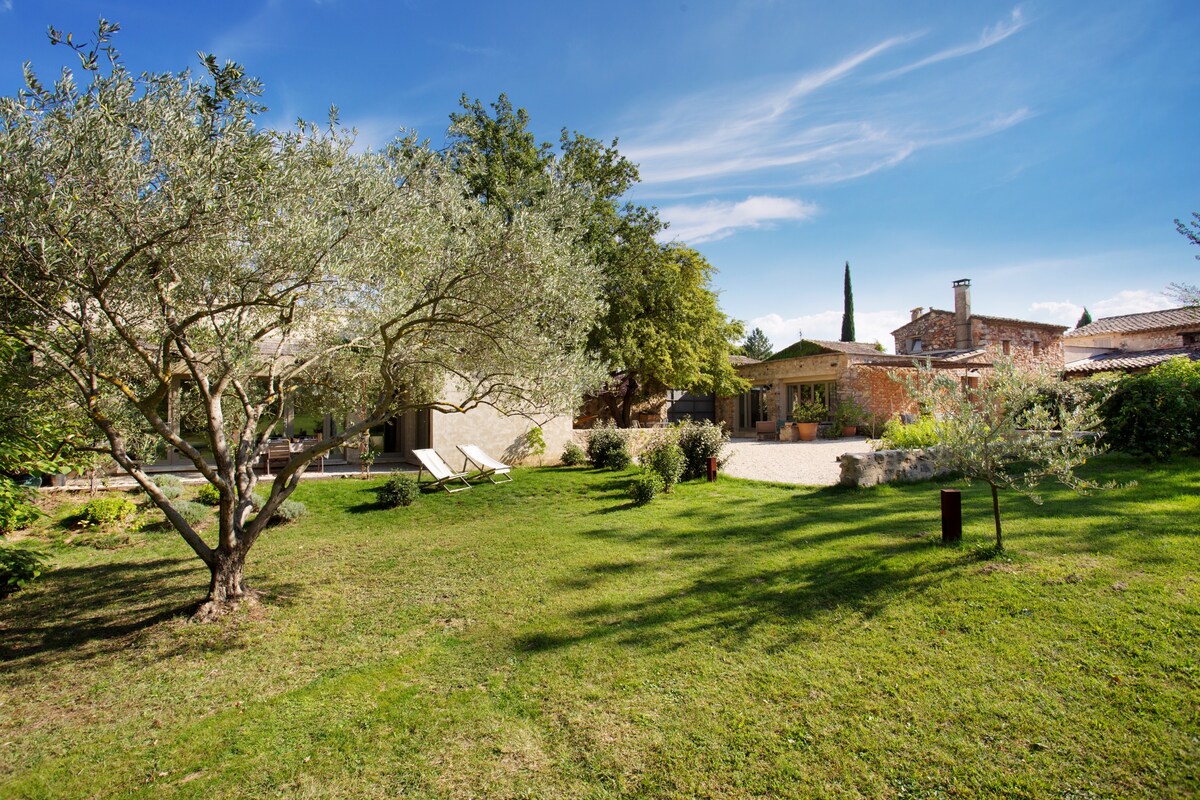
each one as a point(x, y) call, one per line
point(488, 467)
point(278, 452)
point(440, 471)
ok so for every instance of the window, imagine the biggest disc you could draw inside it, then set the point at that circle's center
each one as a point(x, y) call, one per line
point(914, 346)
point(1037, 348)
point(1190, 338)
point(822, 392)
point(1005, 346)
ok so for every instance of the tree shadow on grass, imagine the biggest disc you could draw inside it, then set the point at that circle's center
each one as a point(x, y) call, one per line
point(83, 613)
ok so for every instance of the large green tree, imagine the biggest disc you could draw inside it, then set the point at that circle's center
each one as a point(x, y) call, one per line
point(153, 232)
point(662, 326)
point(757, 345)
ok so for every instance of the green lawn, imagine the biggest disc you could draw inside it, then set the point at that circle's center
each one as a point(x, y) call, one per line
point(546, 639)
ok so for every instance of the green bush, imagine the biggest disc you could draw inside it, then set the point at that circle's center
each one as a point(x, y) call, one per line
point(289, 511)
point(209, 495)
point(19, 566)
point(645, 487)
point(170, 485)
point(573, 455)
point(1157, 413)
point(399, 490)
point(913, 436)
point(607, 448)
point(103, 510)
point(809, 411)
point(194, 513)
point(664, 458)
point(699, 442)
point(16, 506)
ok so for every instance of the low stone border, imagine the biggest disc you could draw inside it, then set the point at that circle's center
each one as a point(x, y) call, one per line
point(886, 466)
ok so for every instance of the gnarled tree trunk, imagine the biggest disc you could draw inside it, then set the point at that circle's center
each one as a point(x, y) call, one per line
point(227, 587)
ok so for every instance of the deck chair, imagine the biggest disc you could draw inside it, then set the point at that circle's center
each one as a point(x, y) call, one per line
point(440, 471)
point(488, 467)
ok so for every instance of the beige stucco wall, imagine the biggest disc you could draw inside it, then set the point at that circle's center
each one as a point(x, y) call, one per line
point(500, 436)
point(1131, 340)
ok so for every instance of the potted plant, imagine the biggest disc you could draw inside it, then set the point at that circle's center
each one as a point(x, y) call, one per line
point(807, 414)
point(846, 415)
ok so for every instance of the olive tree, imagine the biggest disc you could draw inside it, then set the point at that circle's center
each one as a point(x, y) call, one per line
point(1010, 432)
point(153, 233)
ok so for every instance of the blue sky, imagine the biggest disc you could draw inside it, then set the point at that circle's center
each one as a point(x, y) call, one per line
point(1042, 149)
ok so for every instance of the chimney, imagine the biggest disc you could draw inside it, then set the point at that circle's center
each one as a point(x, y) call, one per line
point(916, 312)
point(962, 314)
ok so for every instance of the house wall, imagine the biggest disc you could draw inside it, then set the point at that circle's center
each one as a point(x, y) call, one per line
point(991, 334)
point(935, 329)
point(500, 436)
point(1140, 340)
point(872, 388)
point(778, 374)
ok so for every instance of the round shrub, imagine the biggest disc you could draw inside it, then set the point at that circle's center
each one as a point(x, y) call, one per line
point(209, 495)
point(699, 442)
point(194, 513)
point(607, 448)
point(913, 436)
point(1156, 414)
point(399, 490)
point(289, 511)
point(664, 458)
point(18, 568)
point(645, 487)
point(573, 455)
point(170, 485)
point(103, 510)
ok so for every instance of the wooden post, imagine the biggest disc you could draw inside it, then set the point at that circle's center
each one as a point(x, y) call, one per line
point(712, 470)
point(951, 516)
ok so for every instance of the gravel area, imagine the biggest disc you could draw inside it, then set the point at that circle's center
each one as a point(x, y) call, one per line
point(805, 463)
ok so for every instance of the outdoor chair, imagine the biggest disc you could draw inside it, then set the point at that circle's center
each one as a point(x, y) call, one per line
point(440, 471)
point(278, 452)
point(488, 467)
point(766, 429)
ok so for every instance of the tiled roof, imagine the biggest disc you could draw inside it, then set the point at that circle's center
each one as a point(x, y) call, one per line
point(1028, 322)
point(1146, 321)
point(741, 361)
point(1130, 359)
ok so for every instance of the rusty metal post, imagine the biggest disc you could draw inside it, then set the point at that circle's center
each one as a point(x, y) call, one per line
point(712, 470)
point(951, 516)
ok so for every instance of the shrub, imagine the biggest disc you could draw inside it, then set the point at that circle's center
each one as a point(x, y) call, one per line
point(573, 455)
point(645, 487)
point(16, 505)
point(194, 513)
point(19, 566)
point(169, 485)
point(913, 436)
point(289, 511)
point(399, 490)
point(664, 458)
point(809, 411)
point(1156, 414)
point(607, 448)
point(209, 495)
point(699, 442)
point(103, 510)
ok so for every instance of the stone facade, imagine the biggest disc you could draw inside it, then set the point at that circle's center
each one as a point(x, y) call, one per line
point(933, 330)
point(886, 466)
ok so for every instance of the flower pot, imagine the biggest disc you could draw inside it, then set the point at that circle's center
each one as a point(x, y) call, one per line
point(807, 431)
point(849, 430)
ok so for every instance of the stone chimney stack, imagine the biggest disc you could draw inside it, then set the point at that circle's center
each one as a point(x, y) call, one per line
point(962, 314)
point(917, 312)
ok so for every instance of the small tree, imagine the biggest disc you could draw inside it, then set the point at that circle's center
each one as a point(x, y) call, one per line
point(1006, 432)
point(847, 308)
point(757, 345)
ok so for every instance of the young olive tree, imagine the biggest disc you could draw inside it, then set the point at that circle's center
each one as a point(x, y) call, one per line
point(153, 235)
point(1010, 432)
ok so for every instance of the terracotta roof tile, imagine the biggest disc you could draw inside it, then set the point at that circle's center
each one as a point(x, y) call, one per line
point(1130, 359)
point(1146, 321)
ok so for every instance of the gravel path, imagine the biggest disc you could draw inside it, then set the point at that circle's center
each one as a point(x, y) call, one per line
point(806, 463)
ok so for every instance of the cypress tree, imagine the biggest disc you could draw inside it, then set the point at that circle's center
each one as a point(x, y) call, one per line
point(848, 311)
point(1084, 319)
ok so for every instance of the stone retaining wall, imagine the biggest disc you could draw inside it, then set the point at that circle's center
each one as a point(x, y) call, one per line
point(886, 466)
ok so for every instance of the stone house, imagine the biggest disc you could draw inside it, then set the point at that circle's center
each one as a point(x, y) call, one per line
point(960, 342)
point(1132, 342)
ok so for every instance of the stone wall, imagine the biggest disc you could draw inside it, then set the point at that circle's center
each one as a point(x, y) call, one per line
point(872, 388)
point(1141, 340)
point(992, 333)
point(500, 436)
point(886, 466)
point(935, 329)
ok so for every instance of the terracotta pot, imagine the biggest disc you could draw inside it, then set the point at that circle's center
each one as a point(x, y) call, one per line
point(807, 431)
point(849, 430)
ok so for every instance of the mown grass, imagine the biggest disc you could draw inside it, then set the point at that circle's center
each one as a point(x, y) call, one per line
point(548, 639)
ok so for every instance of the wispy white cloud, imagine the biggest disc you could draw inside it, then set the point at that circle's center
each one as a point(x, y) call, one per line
point(5, 5)
point(869, 326)
point(825, 126)
point(708, 222)
point(1129, 301)
point(991, 35)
